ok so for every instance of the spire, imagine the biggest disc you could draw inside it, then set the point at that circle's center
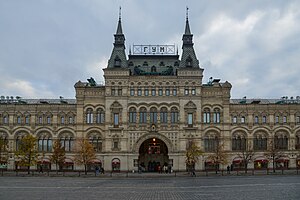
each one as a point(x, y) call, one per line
point(119, 36)
point(187, 26)
point(119, 28)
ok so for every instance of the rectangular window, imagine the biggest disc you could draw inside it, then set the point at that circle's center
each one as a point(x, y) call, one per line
point(186, 91)
point(40, 120)
point(27, 120)
point(153, 92)
point(284, 119)
point(174, 117)
point(132, 117)
point(116, 119)
point(243, 120)
point(113, 92)
point(139, 92)
point(131, 92)
point(62, 120)
point(70, 120)
point(143, 117)
point(277, 119)
point(264, 119)
point(48, 120)
point(146, 92)
point(153, 117)
point(190, 119)
point(5, 120)
point(167, 92)
point(298, 119)
point(206, 117)
point(119, 92)
point(19, 120)
point(256, 120)
point(217, 118)
point(116, 145)
point(234, 119)
point(160, 92)
point(174, 92)
point(193, 91)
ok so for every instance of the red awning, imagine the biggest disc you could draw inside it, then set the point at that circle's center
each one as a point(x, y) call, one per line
point(261, 160)
point(44, 161)
point(95, 161)
point(237, 160)
point(282, 160)
point(68, 161)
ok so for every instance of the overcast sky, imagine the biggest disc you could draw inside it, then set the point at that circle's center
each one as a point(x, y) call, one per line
point(46, 46)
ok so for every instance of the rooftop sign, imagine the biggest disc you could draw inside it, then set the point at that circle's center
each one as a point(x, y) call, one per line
point(153, 50)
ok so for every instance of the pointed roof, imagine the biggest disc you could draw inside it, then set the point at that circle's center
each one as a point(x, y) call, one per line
point(187, 25)
point(119, 28)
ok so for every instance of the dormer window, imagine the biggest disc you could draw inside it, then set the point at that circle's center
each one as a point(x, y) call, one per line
point(145, 63)
point(130, 64)
point(161, 63)
point(153, 69)
point(117, 62)
point(188, 62)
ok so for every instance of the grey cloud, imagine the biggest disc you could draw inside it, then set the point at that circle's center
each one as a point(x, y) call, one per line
point(49, 45)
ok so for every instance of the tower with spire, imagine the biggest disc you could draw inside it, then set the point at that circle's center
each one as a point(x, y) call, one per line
point(118, 56)
point(188, 57)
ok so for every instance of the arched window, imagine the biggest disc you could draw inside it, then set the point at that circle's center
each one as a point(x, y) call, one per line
point(163, 115)
point(211, 142)
point(89, 116)
point(238, 142)
point(96, 140)
point(27, 119)
point(264, 119)
point(67, 143)
point(100, 116)
point(3, 143)
point(5, 119)
point(153, 69)
point(206, 116)
point(217, 116)
point(143, 115)
point(153, 115)
point(297, 142)
point(132, 115)
point(19, 137)
point(281, 141)
point(19, 120)
point(174, 115)
point(260, 142)
point(44, 142)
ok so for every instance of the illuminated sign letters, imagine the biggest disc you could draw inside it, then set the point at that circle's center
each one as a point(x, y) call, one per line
point(153, 49)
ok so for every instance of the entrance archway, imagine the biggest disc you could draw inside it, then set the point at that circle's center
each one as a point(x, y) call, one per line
point(153, 155)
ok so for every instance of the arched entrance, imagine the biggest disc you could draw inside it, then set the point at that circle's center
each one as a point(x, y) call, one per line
point(153, 155)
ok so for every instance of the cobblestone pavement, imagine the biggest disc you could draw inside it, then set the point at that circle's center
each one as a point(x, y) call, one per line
point(230, 187)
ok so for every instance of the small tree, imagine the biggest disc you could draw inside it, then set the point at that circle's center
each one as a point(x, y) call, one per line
point(3, 150)
point(84, 152)
point(218, 156)
point(58, 155)
point(246, 156)
point(192, 155)
point(27, 152)
point(273, 153)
